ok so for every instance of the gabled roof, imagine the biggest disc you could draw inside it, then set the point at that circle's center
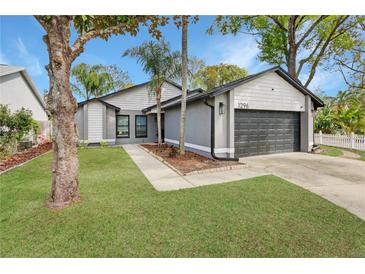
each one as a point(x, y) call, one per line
point(166, 102)
point(9, 69)
point(231, 85)
point(99, 100)
point(135, 86)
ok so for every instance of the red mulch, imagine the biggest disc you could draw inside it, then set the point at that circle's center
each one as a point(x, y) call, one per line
point(188, 162)
point(24, 156)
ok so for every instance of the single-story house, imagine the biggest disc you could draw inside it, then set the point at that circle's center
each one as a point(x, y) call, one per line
point(17, 90)
point(264, 113)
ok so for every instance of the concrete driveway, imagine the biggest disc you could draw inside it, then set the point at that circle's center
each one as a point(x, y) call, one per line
point(339, 180)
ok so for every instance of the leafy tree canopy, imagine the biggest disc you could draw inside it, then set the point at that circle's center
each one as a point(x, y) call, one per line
point(296, 41)
point(343, 114)
point(209, 77)
point(93, 81)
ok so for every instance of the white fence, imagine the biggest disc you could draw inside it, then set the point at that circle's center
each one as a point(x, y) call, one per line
point(351, 141)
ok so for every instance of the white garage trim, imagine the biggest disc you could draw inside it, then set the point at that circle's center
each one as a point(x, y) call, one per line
point(202, 148)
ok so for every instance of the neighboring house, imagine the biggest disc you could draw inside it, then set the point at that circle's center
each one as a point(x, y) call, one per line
point(17, 90)
point(268, 112)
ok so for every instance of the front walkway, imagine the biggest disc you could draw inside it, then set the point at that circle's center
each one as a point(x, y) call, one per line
point(164, 178)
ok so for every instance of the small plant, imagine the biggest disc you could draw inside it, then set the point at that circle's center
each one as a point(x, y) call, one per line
point(173, 152)
point(84, 144)
point(14, 127)
point(104, 143)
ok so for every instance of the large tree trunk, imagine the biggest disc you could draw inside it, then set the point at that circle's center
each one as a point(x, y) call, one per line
point(184, 78)
point(62, 106)
point(292, 52)
point(292, 63)
point(158, 106)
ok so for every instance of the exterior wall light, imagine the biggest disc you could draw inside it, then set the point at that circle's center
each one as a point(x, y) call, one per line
point(221, 108)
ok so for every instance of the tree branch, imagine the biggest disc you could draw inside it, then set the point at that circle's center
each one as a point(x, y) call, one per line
point(350, 67)
point(310, 56)
point(348, 83)
point(311, 28)
point(339, 22)
point(278, 23)
point(300, 21)
point(78, 46)
point(40, 19)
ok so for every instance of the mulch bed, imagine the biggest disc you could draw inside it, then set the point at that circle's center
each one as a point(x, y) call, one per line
point(24, 156)
point(186, 163)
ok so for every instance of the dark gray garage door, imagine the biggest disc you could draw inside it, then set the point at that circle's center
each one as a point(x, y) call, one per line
point(266, 132)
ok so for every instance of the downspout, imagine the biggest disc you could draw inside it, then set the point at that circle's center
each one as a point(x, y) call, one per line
point(212, 136)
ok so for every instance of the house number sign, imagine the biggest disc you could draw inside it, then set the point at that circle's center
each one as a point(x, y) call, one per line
point(243, 105)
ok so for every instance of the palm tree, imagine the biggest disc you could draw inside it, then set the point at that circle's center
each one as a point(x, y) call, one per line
point(161, 64)
point(184, 78)
point(90, 81)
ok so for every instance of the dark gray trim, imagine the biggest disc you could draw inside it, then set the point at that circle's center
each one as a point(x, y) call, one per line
point(129, 88)
point(198, 91)
point(116, 126)
point(101, 101)
point(135, 126)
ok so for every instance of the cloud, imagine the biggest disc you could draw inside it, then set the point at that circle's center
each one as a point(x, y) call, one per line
point(241, 50)
point(3, 59)
point(31, 62)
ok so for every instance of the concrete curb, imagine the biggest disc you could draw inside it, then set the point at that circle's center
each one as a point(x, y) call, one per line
point(3, 172)
point(210, 170)
point(162, 160)
point(216, 169)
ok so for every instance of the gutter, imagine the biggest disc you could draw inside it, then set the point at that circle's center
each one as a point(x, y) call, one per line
point(212, 136)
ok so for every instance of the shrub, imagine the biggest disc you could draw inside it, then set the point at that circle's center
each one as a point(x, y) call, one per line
point(14, 127)
point(84, 144)
point(104, 143)
point(173, 152)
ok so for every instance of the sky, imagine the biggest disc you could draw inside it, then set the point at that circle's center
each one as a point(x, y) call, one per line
point(22, 45)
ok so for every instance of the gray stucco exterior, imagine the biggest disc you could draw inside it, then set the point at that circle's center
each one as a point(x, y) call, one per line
point(198, 127)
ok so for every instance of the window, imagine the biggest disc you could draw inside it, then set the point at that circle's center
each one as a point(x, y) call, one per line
point(122, 126)
point(141, 126)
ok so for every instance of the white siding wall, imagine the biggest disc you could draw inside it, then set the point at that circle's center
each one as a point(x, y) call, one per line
point(95, 121)
point(259, 94)
point(15, 92)
point(141, 97)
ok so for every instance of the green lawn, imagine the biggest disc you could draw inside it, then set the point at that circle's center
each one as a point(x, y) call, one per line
point(337, 152)
point(331, 151)
point(121, 215)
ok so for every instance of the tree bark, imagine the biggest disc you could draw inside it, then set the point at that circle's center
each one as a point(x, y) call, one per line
point(184, 51)
point(62, 107)
point(292, 54)
point(158, 106)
